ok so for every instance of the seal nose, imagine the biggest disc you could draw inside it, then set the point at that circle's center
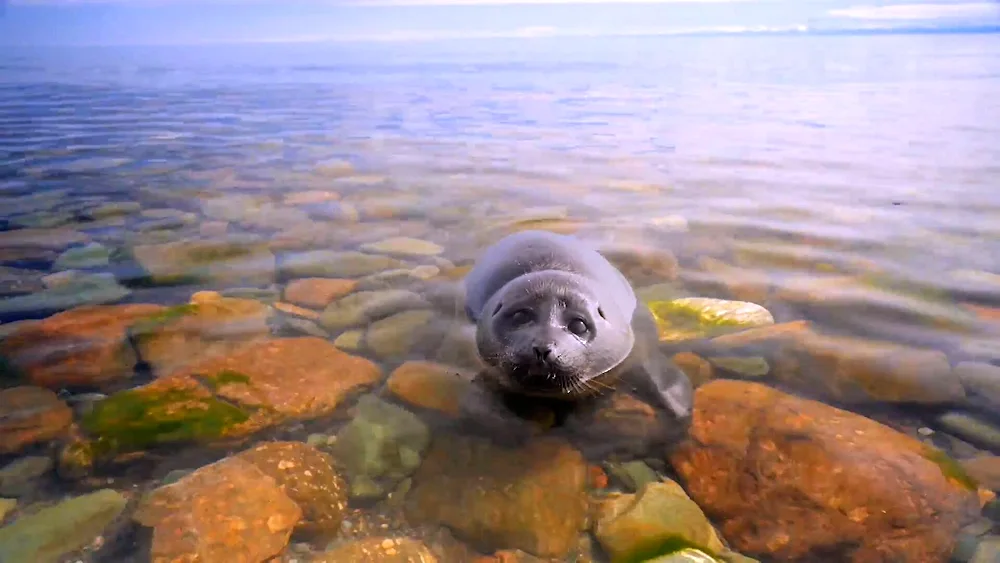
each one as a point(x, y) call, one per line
point(542, 352)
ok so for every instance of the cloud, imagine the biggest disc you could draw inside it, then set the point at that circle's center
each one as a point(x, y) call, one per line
point(966, 11)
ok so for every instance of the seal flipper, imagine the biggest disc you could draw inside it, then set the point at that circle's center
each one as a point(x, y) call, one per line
point(653, 377)
point(661, 383)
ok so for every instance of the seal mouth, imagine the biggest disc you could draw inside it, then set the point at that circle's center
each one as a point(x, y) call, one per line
point(548, 379)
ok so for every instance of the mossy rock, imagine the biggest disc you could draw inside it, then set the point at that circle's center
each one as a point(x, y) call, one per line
point(693, 318)
point(155, 322)
point(167, 411)
point(950, 468)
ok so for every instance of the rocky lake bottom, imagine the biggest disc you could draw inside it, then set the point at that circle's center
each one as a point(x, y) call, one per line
point(224, 373)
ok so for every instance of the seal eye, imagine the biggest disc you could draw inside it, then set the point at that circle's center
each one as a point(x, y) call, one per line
point(601, 313)
point(521, 316)
point(577, 327)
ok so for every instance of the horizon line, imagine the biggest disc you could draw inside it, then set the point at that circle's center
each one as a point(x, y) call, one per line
point(534, 33)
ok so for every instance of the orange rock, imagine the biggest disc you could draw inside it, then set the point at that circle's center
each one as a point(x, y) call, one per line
point(298, 377)
point(227, 511)
point(988, 314)
point(378, 550)
point(598, 478)
point(317, 293)
point(802, 481)
point(83, 346)
point(29, 415)
point(698, 369)
point(428, 385)
point(296, 311)
point(763, 340)
point(256, 386)
point(310, 478)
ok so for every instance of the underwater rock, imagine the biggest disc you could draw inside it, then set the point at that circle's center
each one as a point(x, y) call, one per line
point(208, 326)
point(83, 346)
point(985, 469)
point(310, 478)
point(403, 246)
point(317, 293)
point(93, 255)
point(656, 521)
point(229, 510)
point(335, 264)
point(429, 385)
point(980, 379)
point(401, 334)
point(380, 447)
point(112, 209)
point(53, 532)
point(972, 428)
point(740, 283)
point(855, 370)
point(794, 478)
point(532, 498)
point(36, 239)
point(692, 318)
point(19, 281)
point(17, 478)
point(257, 385)
point(7, 505)
point(378, 549)
point(29, 415)
point(363, 307)
point(78, 290)
point(767, 341)
point(742, 366)
point(698, 369)
point(642, 265)
point(225, 262)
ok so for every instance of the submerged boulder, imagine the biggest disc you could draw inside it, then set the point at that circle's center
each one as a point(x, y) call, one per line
point(798, 480)
point(83, 346)
point(257, 385)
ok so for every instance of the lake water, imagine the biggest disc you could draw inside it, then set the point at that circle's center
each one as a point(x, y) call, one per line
point(239, 241)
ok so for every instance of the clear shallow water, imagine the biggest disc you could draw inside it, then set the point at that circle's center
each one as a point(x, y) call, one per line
point(855, 179)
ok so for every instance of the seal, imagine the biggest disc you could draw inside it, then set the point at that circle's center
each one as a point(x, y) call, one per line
point(557, 323)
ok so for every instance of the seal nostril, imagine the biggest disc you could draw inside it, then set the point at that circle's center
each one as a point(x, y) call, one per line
point(542, 352)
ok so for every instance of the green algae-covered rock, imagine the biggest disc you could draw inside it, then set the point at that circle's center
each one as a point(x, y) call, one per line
point(381, 446)
point(701, 317)
point(754, 366)
point(165, 411)
point(49, 534)
point(659, 520)
point(635, 475)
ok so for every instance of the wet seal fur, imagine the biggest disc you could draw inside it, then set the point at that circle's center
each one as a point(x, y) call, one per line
point(560, 328)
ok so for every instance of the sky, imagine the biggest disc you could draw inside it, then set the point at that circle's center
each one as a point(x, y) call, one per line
point(136, 22)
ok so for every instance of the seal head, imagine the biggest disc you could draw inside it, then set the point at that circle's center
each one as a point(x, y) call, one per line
point(558, 320)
